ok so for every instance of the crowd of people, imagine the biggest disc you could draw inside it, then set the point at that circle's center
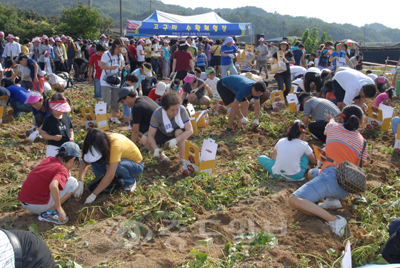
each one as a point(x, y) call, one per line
point(329, 87)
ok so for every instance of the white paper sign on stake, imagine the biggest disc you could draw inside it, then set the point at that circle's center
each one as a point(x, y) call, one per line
point(387, 111)
point(100, 108)
point(346, 261)
point(208, 150)
point(201, 114)
point(292, 98)
point(191, 109)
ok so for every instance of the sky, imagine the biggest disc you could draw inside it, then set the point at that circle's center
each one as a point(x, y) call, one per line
point(353, 12)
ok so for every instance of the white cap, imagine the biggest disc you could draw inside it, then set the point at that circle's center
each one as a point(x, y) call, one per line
point(160, 89)
point(92, 155)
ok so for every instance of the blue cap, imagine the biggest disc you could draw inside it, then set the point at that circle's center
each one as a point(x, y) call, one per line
point(72, 149)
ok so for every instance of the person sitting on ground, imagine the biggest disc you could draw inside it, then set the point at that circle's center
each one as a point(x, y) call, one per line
point(17, 97)
point(141, 108)
point(36, 72)
point(291, 155)
point(40, 110)
point(157, 92)
point(110, 155)
point(235, 89)
point(343, 143)
point(169, 125)
point(57, 83)
point(320, 110)
point(175, 86)
point(144, 70)
point(49, 185)
point(29, 251)
point(57, 128)
point(212, 81)
point(200, 74)
point(148, 83)
point(81, 66)
point(351, 85)
point(25, 74)
point(195, 89)
point(130, 82)
point(385, 97)
point(382, 83)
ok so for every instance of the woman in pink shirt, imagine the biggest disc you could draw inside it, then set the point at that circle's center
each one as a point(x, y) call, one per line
point(385, 97)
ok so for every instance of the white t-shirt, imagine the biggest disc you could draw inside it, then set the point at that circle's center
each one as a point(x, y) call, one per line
point(139, 56)
point(54, 79)
point(24, 71)
point(300, 83)
point(115, 61)
point(263, 50)
point(297, 70)
point(212, 84)
point(47, 68)
point(352, 81)
point(288, 156)
point(313, 70)
point(373, 76)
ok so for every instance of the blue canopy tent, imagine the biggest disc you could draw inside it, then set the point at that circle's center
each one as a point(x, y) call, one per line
point(207, 24)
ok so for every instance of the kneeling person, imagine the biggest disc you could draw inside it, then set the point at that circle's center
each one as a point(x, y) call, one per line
point(49, 185)
point(142, 108)
point(196, 89)
point(169, 124)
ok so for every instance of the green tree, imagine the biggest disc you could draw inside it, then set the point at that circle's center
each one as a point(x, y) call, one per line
point(106, 24)
point(296, 31)
point(322, 39)
point(312, 44)
point(81, 20)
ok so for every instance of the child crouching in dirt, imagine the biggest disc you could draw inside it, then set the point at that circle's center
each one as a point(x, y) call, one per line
point(57, 128)
point(49, 185)
point(291, 155)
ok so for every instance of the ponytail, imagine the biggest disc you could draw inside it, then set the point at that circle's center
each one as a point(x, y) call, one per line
point(352, 115)
point(295, 130)
point(389, 91)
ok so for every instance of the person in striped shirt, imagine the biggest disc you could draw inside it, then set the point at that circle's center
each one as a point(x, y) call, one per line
point(343, 143)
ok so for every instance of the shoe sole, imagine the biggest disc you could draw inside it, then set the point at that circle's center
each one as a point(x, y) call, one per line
point(40, 218)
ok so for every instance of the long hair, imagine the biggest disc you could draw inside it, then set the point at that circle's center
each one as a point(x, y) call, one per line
point(295, 130)
point(117, 42)
point(100, 142)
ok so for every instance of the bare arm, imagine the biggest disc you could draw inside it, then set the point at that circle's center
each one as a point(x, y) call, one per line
point(305, 120)
point(257, 107)
point(55, 193)
point(187, 133)
point(135, 133)
point(107, 179)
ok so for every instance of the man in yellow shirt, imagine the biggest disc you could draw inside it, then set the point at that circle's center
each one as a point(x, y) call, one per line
point(25, 47)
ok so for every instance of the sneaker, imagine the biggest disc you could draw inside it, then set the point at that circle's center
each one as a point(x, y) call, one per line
point(338, 226)
point(129, 127)
point(331, 204)
point(131, 188)
point(116, 121)
point(53, 217)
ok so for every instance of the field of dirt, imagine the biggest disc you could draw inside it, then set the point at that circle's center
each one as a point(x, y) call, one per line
point(266, 210)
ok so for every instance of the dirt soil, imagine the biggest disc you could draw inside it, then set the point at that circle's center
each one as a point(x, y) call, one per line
point(267, 210)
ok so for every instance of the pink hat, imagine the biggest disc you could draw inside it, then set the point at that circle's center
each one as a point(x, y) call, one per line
point(60, 106)
point(44, 37)
point(1, 33)
point(47, 53)
point(34, 96)
point(58, 40)
point(189, 78)
point(180, 38)
point(272, 43)
point(261, 40)
point(141, 41)
point(103, 36)
point(165, 41)
point(51, 39)
point(381, 79)
point(63, 37)
point(10, 36)
point(37, 40)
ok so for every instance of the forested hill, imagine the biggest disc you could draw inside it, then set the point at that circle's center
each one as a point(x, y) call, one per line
point(272, 25)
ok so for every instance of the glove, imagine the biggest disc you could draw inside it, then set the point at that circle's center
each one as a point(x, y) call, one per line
point(244, 121)
point(90, 198)
point(255, 122)
point(285, 60)
point(32, 128)
point(140, 93)
point(33, 135)
point(233, 56)
point(172, 74)
point(171, 143)
point(157, 153)
point(79, 191)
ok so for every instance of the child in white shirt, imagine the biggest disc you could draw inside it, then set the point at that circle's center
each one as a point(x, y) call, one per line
point(212, 81)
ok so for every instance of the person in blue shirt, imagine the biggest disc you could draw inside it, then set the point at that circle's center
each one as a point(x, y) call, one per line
point(234, 90)
point(18, 96)
point(298, 55)
point(339, 57)
point(228, 51)
point(144, 70)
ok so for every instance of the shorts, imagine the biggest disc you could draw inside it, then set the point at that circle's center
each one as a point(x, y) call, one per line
point(321, 187)
point(339, 92)
point(261, 63)
point(227, 95)
point(38, 86)
point(198, 101)
point(312, 78)
point(161, 137)
point(69, 187)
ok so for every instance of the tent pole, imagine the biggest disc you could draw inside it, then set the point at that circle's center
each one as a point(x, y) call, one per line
point(120, 18)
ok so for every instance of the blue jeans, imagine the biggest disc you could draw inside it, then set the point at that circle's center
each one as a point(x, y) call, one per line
point(20, 108)
point(127, 170)
point(126, 110)
point(154, 65)
point(97, 89)
point(226, 68)
point(395, 122)
point(268, 163)
point(321, 187)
